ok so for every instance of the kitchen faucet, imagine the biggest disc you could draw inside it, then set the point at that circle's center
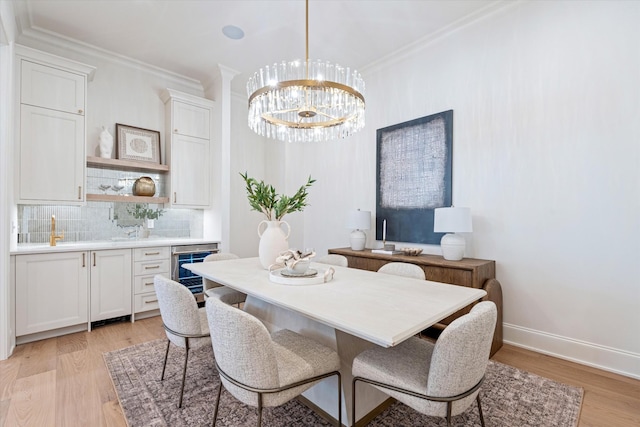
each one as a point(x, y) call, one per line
point(52, 237)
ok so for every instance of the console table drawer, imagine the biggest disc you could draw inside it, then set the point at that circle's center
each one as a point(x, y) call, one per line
point(449, 275)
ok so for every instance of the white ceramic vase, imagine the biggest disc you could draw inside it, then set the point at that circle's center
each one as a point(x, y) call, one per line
point(106, 143)
point(273, 240)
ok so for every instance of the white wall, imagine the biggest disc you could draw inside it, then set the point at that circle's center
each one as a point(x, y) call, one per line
point(546, 105)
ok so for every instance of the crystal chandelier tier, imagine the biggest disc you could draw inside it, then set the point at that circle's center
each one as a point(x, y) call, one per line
point(305, 101)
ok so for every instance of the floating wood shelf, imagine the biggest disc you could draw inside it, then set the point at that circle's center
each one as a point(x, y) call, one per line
point(126, 165)
point(125, 199)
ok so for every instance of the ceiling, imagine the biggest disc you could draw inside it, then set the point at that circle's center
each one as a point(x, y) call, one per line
point(185, 36)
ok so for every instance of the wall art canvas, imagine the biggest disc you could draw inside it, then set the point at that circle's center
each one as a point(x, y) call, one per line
point(414, 177)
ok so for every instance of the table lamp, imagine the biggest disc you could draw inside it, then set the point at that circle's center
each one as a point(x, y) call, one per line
point(358, 221)
point(452, 220)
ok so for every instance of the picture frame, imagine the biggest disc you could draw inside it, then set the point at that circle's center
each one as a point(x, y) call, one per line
point(134, 143)
point(413, 177)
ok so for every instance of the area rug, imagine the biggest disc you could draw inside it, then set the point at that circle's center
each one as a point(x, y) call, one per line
point(510, 397)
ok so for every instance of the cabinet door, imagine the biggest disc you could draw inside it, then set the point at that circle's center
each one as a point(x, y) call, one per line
point(110, 284)
point(51, 291)
point(191, 120)
point(52, 156)
point(190, 163)
point(52, 88)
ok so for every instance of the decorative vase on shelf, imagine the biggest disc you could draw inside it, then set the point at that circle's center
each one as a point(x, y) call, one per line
point(106, 143)
point(273, 240)
point(144, 186)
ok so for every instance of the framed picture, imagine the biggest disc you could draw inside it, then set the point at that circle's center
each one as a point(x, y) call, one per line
point(137, 144)
point(413, 177)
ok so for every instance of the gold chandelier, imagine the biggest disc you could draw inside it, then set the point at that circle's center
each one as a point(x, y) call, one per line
point(304, 101)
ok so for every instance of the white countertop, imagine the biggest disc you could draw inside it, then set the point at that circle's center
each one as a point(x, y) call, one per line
point(377, 307)
point(37, 248)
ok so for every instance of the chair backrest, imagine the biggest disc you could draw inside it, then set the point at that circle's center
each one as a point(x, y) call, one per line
point(403, 269)
point(178, 308)
point(461, 353)
point(333, 259)
point(220, 257)
point(208, 284)
point(242, 348)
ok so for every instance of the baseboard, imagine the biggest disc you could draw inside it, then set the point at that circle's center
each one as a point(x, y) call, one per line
point(606, 358)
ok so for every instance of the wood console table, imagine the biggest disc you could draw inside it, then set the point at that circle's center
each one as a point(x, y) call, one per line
point(470, 272)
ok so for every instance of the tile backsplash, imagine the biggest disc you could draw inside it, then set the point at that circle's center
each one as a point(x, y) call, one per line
point(98, 221)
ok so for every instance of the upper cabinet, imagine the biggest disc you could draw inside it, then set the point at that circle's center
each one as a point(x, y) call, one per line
point(51, 131)
point(188, 149)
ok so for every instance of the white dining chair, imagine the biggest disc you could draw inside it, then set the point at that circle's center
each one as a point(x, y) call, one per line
point(441, 379)
point(333, 259)
point(210, 288)
point(403, 269)
point(262, 369)
point(184, 323)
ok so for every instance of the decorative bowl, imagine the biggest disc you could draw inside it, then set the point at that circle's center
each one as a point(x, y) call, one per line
point(411, 251)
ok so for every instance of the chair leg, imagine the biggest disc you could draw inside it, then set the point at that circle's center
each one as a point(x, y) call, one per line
point(215, 410)
point(340, 400)
point(480, 410)
point(449, 405)
point(164, 365)
point(184, 371)
point(259, 409)
point(353, 402)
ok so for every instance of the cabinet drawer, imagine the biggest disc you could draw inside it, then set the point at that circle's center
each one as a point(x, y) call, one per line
point(152, 267)
point(144, 284)
point(449, 275)
point(147, 254)
point(145, 302)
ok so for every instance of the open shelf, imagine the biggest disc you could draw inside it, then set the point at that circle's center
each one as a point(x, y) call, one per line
point(125, 198)
point(130, 165)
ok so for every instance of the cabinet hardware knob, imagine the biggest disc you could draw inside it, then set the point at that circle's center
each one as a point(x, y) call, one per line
point(152, 267)
point(151, 301)
point(83, 260)
point(94, 259)
point(149, 284)
point(152, 253)
point(80, 111)
point(79, 192)
point(175, 130)
point(174, 197)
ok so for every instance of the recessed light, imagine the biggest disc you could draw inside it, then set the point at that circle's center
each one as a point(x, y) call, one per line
point(233, 32)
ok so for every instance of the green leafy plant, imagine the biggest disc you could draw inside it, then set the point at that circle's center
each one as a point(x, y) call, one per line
point(143, 211)
point(263, 198)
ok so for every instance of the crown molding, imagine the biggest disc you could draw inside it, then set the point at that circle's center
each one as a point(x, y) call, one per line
point(40, 35)
point(422, 43)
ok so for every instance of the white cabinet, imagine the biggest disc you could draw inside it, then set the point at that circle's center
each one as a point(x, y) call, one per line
point(147, 262)
point(188, 149)
point(110, 283)
point(51, 151)
point(51, 291)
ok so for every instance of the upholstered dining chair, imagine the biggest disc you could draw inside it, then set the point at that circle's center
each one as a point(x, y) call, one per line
point(403, 269)
point(440, 379)
point(184, 323)
point(333, 259)
point(209, 287)
point(262, 369)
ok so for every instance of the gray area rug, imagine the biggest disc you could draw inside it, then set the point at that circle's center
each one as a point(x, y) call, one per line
point(510, 397)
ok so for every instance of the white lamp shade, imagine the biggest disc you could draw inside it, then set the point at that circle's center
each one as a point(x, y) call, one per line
point(452, 220)
point(359, 220)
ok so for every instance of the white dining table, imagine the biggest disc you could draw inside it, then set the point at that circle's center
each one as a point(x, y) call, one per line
point(356, 310)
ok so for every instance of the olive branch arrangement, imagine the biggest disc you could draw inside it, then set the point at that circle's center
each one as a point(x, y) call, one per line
point(143, 211)
point(263, 198)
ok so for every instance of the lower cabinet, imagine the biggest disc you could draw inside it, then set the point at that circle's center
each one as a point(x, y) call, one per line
point(110, 283)
point(52, 291)
point(147, 262)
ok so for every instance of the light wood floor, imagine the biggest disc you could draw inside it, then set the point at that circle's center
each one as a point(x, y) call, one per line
point(64, 382)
